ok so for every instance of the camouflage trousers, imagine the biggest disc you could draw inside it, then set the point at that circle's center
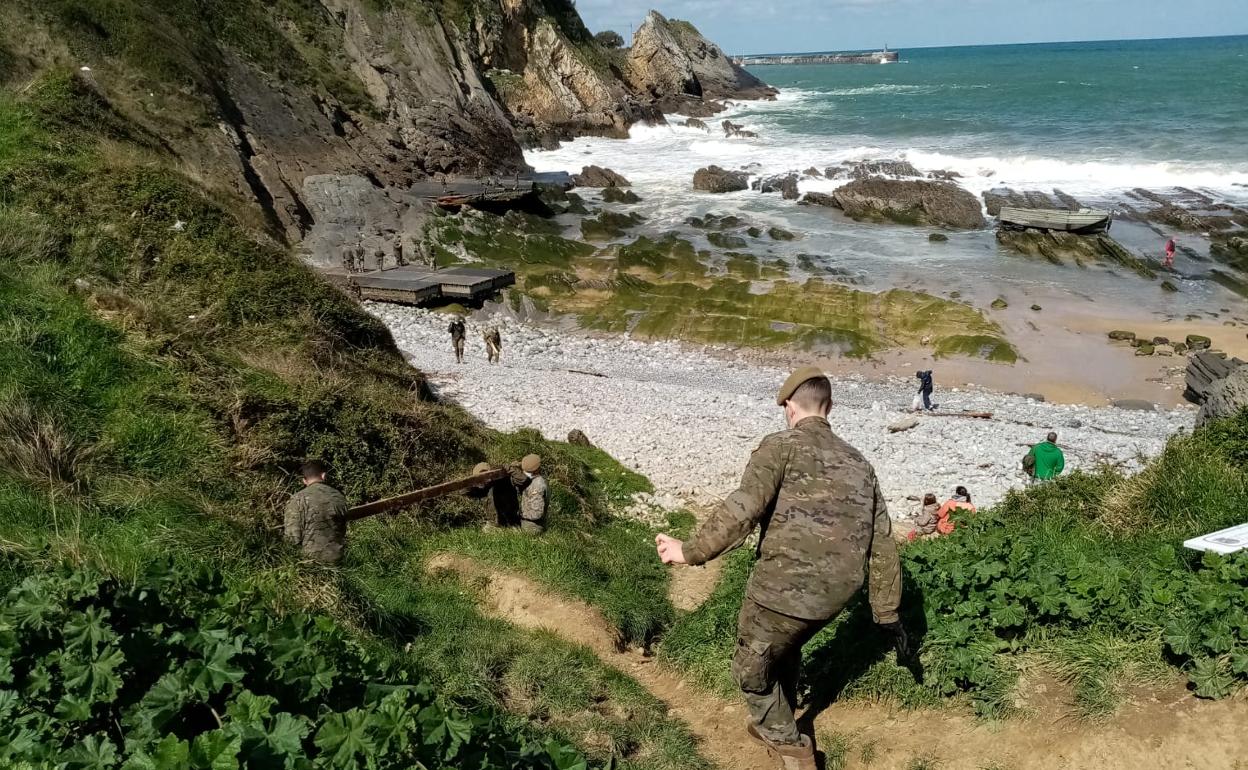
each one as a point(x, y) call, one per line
point(767, 664)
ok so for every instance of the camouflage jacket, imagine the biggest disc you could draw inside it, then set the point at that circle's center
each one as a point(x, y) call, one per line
point(823, 526)
point(316, 521)
point(502, 505)
point(533, 500)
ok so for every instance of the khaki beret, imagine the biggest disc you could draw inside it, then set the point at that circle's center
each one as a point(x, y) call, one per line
point(530, 463)
point(480, 468)
point(795, 380)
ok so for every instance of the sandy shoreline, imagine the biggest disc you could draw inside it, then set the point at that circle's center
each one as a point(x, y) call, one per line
point(688, 419)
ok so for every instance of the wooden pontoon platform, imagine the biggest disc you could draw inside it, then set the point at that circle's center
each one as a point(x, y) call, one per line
point(417, 284)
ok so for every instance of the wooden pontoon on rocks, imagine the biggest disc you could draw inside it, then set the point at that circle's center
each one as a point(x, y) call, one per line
point(1081, 222)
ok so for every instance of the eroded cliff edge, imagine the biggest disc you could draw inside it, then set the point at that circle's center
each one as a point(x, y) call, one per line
point(326, 111)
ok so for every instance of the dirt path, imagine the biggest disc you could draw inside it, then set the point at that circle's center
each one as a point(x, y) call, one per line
point(693, 585)
point(1166, 729)
point(518, 600)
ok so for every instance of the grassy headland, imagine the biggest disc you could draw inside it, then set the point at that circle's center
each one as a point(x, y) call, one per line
point(164, 368)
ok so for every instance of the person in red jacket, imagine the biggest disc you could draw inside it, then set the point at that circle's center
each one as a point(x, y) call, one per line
point(1170, 247)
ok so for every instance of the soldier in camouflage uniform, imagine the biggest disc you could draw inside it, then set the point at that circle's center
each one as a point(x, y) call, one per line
point(316, 516)
point(533, 496)
point(502, 506)
point(493, 344)
point(824, 531)
point(458, 333)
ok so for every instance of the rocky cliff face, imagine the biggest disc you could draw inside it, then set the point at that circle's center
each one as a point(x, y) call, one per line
point(326, 111)
point(672, 63)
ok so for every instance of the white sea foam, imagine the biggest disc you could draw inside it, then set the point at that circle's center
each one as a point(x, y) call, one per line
point(667, 156)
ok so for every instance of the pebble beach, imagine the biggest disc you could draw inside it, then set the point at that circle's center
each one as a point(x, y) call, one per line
point(688, 418)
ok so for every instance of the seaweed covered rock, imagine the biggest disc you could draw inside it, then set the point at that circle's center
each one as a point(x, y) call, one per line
point(725, 240)
point(1068, 248)
point(714, 179)
point(911, 202)
point(619, 195)
point(695, 123)
point(597, 176)
point(608, 224)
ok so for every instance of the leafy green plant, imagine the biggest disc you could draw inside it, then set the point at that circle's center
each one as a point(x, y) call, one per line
point(174, 670)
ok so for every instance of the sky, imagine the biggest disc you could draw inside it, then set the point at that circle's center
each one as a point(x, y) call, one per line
point(774, 26)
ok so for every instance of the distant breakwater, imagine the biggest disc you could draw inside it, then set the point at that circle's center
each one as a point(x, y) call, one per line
point(877, 57)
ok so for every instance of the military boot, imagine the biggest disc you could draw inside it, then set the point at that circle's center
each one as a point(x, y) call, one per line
point(799, 756)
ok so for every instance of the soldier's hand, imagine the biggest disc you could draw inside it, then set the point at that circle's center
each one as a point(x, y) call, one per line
point(901, 639)
point(671, 550)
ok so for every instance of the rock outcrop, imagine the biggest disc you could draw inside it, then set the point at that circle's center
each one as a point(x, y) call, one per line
point(717, 180)
point(597, 176)
point(865, 169)
point(1226, 397)
point(785, 184)
point(294, 114)
point(672, 63)
point(911, 202)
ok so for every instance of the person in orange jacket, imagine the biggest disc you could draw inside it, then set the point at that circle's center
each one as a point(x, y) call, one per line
point(961, 500)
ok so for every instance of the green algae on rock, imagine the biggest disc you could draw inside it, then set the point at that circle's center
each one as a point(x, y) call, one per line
point(662, 287)
point(609, 224)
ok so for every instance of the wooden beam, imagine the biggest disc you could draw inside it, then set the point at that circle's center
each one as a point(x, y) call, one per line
point(420, 495)
point(976, 415)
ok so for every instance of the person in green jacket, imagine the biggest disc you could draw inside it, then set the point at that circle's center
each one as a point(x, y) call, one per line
point(1045, 460)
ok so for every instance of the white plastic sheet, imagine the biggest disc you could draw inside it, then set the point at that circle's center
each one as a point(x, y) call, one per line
point(1227, 540)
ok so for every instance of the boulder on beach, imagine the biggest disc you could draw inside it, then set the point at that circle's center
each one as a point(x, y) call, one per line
point(911, 202)
point(780, 234)
point(1122, 335)
point(1225, 398)
point(1198, 342)
point(812, 171)
point(695, 123)
point(597, 176)
point(714, 179)
point(904, 424)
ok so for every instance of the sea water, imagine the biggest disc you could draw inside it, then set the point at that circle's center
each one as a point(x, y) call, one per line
point(1095, 120)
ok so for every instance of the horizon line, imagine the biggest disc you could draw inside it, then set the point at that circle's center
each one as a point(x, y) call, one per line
point(896, 49)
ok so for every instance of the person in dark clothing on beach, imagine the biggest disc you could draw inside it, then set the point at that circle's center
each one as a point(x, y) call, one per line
point(925, 387)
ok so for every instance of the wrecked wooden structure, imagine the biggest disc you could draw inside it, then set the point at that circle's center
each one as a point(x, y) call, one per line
point(420, 285)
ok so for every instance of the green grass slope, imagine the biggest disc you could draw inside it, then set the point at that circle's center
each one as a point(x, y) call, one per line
point(163, 370)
